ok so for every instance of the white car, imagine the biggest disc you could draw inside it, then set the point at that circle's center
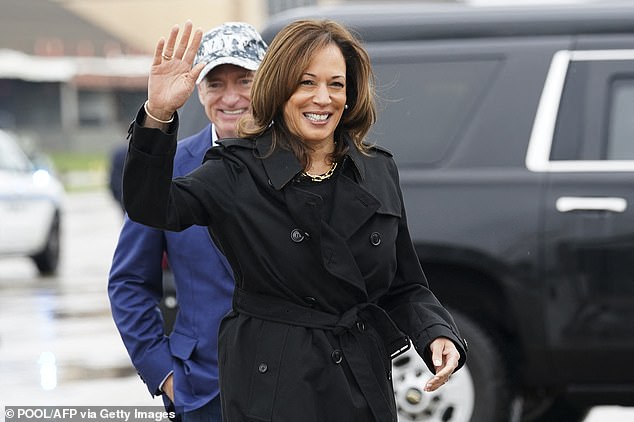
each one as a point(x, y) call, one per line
point(30, 207)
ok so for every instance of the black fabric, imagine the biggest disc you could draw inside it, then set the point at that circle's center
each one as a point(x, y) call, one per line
point(360, 263)
point(354, 329)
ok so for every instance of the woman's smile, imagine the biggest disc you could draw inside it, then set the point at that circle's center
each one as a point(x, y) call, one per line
point(317, 117)
point(315, 108)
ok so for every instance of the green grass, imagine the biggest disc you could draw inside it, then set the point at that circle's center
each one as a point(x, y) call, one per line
point(81, 171)
point(66, 162)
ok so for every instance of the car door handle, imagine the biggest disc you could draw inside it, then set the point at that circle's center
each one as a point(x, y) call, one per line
point(586, 203)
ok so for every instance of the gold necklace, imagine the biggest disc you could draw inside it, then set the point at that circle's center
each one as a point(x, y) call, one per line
point(323, 176)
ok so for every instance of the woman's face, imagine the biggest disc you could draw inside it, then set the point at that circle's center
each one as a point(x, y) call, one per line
point(315, 108)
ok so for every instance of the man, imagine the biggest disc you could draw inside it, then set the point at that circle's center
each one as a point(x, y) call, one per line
point(184, 367)
point(117, 160)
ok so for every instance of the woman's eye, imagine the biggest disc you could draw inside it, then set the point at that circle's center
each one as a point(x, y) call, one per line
point(337, 84)
point(306, 82)
point(246, 82)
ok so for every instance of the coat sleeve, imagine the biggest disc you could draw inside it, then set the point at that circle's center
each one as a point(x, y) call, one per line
point(411, 303)
point(135, 290)
point(150, 195)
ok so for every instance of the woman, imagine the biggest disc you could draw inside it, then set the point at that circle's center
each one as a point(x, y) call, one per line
point(328, 285)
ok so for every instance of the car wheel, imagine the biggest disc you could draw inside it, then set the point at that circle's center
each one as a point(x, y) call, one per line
point(478, 392)
point(47, 259)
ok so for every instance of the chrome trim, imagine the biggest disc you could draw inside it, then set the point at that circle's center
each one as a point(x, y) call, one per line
point(585, 203)
point(592, 55)
point(540, 142)
point(589, 166)
point(546, 117)
point(404, 348)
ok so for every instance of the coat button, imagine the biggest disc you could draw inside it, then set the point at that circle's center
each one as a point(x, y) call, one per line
point(310, 301)
point(337, 356)
point(375, 239)
point(263, 367)
point(361, 326)
point(297, 236)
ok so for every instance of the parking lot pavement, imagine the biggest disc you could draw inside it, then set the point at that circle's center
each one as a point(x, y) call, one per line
point(58, 344)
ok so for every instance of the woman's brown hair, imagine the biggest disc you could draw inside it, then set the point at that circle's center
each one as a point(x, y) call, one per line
point(279, 75)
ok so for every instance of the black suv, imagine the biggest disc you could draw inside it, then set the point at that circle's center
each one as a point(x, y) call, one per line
point(513, 129)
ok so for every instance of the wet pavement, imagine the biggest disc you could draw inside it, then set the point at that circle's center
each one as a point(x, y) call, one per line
point(58, 344)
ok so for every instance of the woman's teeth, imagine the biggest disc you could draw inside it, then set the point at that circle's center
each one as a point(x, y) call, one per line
point(316, 117)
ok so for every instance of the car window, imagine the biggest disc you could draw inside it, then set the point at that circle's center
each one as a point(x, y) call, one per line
point(594, 120)
point(12, 158)
point(620, 140)
point(432, 98)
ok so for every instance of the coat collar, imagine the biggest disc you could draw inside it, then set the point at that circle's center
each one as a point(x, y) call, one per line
point(282, 166)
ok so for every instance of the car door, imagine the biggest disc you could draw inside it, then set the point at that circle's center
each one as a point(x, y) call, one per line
point(25, 208)
point(584, 143)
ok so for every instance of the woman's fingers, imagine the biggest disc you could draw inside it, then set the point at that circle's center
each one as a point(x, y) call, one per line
point(190, 54)
point(184, 50)
point(184, 41)
point(445, 358)
point(158, 51)
point(168, 50)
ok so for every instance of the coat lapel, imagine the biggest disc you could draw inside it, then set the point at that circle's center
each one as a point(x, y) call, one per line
point(306, 211)
point(280, 166)
point(353, 205)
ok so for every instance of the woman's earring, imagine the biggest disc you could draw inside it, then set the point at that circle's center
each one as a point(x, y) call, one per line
point(345, 107)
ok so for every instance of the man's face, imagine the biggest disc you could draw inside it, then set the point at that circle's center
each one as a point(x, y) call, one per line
point(225, 93)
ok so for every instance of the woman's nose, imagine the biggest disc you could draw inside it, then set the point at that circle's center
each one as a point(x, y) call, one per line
point(322, 96)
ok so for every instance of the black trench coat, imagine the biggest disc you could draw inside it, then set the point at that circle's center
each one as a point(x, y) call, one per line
point(319, 308)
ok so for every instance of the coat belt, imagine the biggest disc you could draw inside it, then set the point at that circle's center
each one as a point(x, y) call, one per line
point(349, 327)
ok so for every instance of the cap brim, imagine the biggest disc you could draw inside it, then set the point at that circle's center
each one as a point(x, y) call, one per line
point(237, 61)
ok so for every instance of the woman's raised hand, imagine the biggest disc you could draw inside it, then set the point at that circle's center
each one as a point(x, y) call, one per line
point(172, 78)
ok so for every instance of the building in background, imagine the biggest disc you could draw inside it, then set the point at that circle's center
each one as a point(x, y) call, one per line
point(73, 72)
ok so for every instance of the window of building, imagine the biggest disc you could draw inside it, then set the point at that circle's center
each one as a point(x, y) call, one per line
point(96, 108)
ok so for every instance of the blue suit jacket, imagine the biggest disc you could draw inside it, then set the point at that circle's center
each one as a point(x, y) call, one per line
point(204, 287)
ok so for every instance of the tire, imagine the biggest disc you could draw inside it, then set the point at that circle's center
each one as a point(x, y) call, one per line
point(47, 260)
point(478, 392)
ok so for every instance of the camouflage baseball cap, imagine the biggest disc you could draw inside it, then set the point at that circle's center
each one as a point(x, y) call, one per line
point(234, 43)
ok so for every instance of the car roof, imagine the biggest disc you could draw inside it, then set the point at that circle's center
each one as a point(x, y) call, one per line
point(415, 21)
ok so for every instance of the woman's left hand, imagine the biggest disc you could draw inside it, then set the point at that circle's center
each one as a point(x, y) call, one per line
point(445, 357)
